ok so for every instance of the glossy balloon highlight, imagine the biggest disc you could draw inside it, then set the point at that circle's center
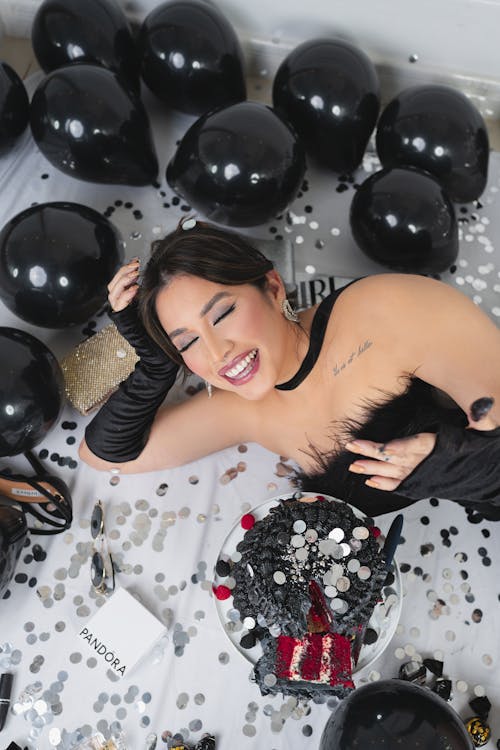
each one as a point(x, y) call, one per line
point(31, 391)
point(329, 91)
point(391, 714)
point(89, 124)
point(403, 219)
point(438, 129)
point(56, 260)
point(191, 57)
point(91, 31)
point(14, 108)
point(240, 165)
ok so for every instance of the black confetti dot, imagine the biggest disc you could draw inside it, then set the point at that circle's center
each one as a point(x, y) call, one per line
point(434, 502)
point(307, 730)
point(166, 205)
point(73, 464)
point(370, 636)
point(453, 530)
point(185, 207)
point(43, 453)
point(118, 203)
point(194, 578)
point(405, 568)
point(156, 184)
point(248, 640)
point(477, 615)
point(128, 204)
point(71, 440)
point(32, 582)
point(464, 574)
point(485, 533)
point(447, 542)
point(342, 187)
point(222, 568)
point(273, 230)
point(482, 551)
point(470, 598)
point(138, 214)
point(486, 561)
point(453, 269)
point(418, 571)
point(38, 553)
point(45, 176)
point(28, 559)
point(175, 201)
point(308, 209)
point(54, 456)
point(20, 578)
point(278, 237)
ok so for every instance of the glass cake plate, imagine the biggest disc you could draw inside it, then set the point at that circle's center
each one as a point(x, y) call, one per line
point(384, 619)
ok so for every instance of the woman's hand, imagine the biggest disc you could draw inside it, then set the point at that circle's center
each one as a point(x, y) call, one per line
point(388, 464)
point(123, 286)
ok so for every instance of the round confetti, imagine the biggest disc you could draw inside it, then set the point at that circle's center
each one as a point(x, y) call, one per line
point(279, 577)
point(247, 521)
point(222, 592)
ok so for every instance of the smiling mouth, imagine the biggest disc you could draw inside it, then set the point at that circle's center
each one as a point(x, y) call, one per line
point(241, 370)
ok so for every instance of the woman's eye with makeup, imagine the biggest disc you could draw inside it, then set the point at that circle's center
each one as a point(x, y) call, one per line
point(184, 347)
point(224, 314)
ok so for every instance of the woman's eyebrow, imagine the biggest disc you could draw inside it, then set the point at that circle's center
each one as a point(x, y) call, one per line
point(204, 310)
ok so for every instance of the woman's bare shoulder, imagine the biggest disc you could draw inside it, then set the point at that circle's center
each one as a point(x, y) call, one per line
point(404, 294)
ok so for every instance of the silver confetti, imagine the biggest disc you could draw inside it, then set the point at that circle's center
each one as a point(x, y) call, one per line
point(336, 534)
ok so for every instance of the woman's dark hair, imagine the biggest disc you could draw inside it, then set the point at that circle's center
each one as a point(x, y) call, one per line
point(202, 250)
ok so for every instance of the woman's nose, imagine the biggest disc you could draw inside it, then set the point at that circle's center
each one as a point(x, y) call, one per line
point(219, 350)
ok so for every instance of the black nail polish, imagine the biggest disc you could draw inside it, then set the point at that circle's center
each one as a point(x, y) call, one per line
point(480, 408)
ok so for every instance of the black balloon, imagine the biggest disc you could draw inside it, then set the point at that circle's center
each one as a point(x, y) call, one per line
point(391, 714)
point(91, 31)
point(403, 219)
point(438, 129)
point(329, 90)
point(14, 108)
point(31, 391)
point(240, 165)
point(191, 57)
point(89, 124)
point(56, 260)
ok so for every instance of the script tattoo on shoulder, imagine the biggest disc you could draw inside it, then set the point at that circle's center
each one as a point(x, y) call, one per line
point(362, 348)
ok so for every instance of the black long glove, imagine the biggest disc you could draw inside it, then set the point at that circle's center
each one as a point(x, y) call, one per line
point(120, 429)
point(464, 466)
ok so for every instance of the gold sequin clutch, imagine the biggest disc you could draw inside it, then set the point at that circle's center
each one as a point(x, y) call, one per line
point(96, 367)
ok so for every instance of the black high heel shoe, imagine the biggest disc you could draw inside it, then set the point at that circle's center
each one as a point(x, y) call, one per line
point(44, 496)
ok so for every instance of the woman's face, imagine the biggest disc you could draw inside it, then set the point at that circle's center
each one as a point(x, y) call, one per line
point(231, 336)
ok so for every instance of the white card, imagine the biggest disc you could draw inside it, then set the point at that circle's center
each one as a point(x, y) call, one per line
point(121, 632)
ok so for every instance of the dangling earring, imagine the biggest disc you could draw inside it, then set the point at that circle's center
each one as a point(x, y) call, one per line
point(288, 311)
point(209, 388)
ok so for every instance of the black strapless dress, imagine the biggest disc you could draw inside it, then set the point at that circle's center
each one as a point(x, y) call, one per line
point(464, 465)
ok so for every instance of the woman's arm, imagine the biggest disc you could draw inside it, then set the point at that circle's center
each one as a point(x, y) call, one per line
point(451, 344)
point(186, 432)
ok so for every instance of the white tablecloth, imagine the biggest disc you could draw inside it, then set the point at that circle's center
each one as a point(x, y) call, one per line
point(165, 529)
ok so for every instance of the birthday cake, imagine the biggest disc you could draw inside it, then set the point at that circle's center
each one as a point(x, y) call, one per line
point(307, 577)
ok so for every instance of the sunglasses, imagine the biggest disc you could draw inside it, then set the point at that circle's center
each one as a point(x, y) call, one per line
point(102, 571)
